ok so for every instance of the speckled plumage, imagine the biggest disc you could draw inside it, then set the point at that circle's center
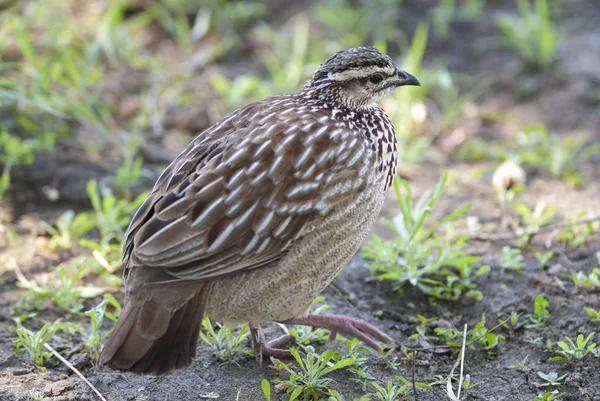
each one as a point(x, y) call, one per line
point(259, 213)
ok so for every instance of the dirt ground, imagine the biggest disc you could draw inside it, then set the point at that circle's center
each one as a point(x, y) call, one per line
point(561, 102)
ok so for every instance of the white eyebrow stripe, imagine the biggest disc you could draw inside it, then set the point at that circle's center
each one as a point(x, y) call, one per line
point(360, 72)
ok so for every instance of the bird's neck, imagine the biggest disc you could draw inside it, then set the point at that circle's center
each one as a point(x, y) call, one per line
point(329, 93)
point(370, 120)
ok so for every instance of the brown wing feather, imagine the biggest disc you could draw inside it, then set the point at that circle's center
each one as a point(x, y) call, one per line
point(240, 193)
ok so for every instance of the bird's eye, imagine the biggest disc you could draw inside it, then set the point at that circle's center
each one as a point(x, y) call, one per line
point(375, 78)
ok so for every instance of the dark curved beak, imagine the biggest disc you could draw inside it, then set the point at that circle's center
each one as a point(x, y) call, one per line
point(404, 78)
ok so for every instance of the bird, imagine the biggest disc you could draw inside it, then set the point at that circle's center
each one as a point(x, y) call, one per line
point(258, 214)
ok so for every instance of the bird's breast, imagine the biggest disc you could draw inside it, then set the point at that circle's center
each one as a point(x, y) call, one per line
point(286, 288)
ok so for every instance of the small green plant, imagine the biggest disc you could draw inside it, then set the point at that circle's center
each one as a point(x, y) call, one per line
point(473, 8)
point(511, 322)
point(93, 341)
point(421, 327)
point(533, 219)
point(558, 156)
point(62, 289)
point(70, 227)
point(36, 396)
point(533, 36)
point(521, 364)
point(389, 360)
point(227, 345)
point(441, 16)
point(581, 280)
point(111, 216)
point(33, 342)
point(511, 259)
point(450, 336)
point(231, 20)
point(335, 396)
point(575, 350)
point(65, 293)
point(534, 341)
point(594, 314)
point(487, 340)
point(543, 257)
point(550, 396)
point(130, 170)
point(310, 381)
point(358, 369)
point(466, 384)
point(576, 235)
point(447, 11)
point(420, 256)
point(285, 72)
point(540, 315)
point(457, 284)
point(13, 151)
point(475, 150)
point(480, 337)
point(551, 379)
point(393, 392)
point(355, 23)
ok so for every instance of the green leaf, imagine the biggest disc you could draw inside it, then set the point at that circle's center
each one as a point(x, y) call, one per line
point(296, 393)
point(266, 388)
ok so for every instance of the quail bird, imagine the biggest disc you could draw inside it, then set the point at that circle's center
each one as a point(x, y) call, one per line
point(258, 215)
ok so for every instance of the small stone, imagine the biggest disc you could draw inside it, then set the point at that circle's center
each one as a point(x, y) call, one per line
point(79, 361)
point(56, 389)
point(21, 372)
point(209, 396)
point(101, 386)
point(556, 269)
point(441, 323)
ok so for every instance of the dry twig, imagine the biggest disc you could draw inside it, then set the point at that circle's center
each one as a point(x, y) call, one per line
point(77, 372)
point(461, 360)
point(532, 232)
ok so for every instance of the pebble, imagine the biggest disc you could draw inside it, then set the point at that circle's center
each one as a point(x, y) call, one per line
point(21, 372)
point(556, 269)
point(54, 389)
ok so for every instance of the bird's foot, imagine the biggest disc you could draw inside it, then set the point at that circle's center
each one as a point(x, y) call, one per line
point(272, 348)
point(346, 325)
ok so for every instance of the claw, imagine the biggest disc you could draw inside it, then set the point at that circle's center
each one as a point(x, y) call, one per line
point(271, 348)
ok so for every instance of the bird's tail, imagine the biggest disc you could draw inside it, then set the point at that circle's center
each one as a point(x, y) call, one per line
point(152, 338)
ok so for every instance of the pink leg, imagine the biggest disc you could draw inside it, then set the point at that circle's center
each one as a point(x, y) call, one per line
point(271, 348)
point(346, 325)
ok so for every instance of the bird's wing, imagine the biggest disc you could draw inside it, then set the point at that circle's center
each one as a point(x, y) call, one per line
point(243, 191)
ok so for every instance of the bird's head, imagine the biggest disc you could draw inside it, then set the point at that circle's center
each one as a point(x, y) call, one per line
point(358, 77)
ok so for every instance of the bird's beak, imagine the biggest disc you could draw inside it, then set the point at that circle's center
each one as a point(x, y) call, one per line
point(404, 78)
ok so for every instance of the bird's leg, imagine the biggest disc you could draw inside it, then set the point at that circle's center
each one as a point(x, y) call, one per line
point(271, 348)
point(346, 325)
